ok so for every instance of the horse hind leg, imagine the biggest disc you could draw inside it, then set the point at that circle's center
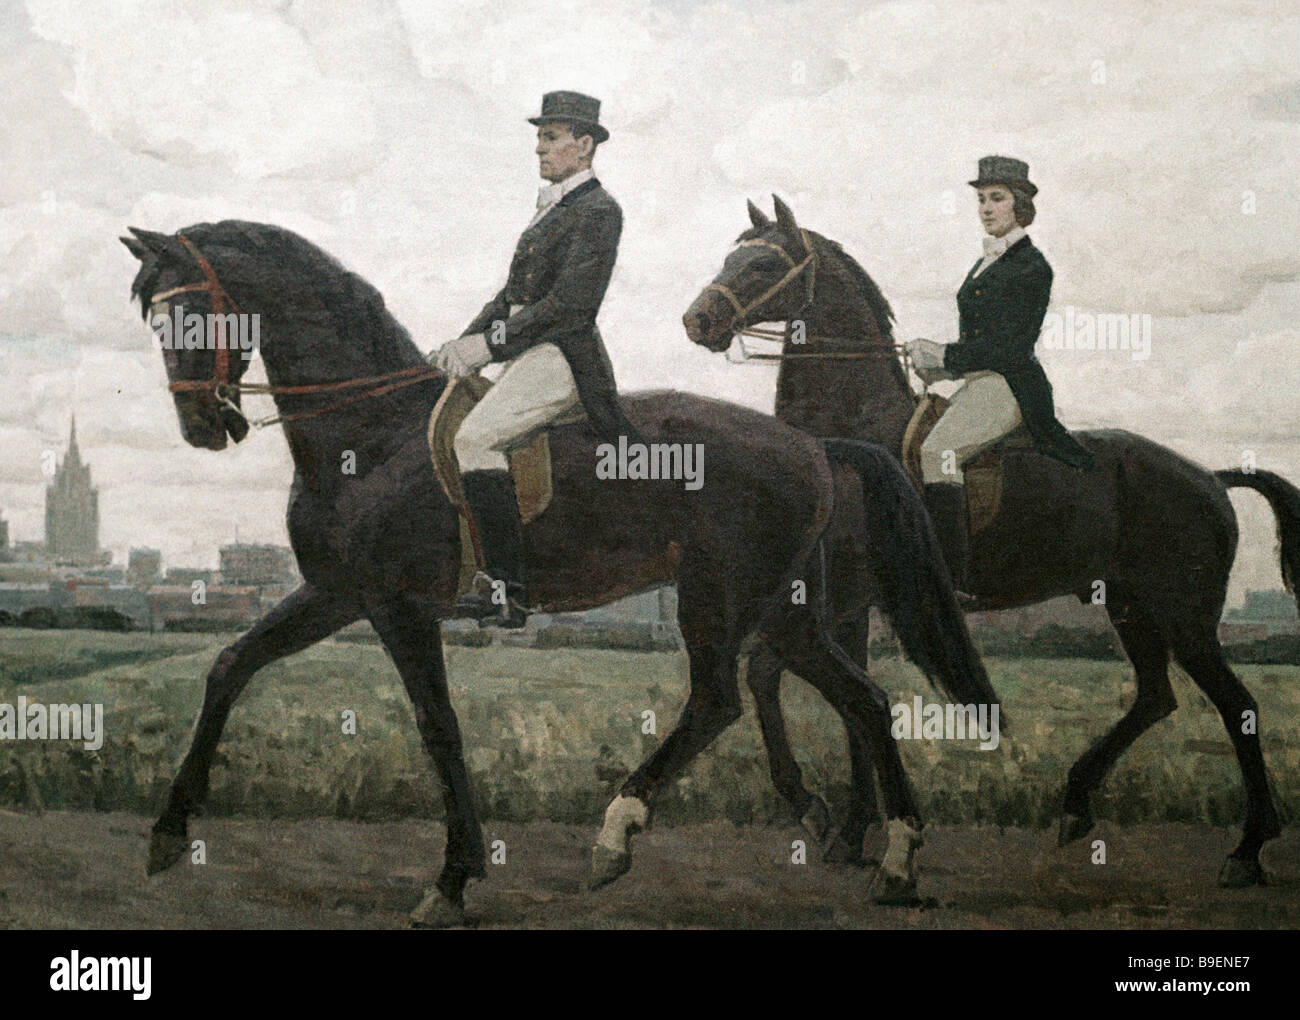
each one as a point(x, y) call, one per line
point(1201, 655)
point(300, 620)
point(846, 848)
point(815, 655)
point(1149, 654)
point(763, 677)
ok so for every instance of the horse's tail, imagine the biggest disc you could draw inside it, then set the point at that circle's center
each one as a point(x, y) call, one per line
point(908, 566)
point(1284, 498)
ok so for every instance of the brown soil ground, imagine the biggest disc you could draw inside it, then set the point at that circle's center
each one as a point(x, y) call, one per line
point(86, 870)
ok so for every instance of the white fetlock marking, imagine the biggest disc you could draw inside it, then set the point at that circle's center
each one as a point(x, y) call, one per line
point(900, 854)
point(621, 817)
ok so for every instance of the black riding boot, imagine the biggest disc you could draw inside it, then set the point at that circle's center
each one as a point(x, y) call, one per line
point(947, 506)
point(492, 501)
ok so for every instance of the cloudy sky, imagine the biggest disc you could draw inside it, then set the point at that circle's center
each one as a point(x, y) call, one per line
point(1165, 142)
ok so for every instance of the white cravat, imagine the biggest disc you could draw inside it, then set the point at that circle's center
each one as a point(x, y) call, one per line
point(549, 195)
point(995, 247)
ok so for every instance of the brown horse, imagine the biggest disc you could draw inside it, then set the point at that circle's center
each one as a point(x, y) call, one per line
point(1157, 529)
point(382, 541)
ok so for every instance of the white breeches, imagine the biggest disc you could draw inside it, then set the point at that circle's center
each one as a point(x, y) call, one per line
point(536, 388)
point(982, 412)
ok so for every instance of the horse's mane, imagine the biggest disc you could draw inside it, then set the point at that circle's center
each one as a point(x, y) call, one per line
point(355, 306)
point(864, 284)
point(868, 290)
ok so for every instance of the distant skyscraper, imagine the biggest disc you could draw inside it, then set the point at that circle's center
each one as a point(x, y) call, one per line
point(72, 510)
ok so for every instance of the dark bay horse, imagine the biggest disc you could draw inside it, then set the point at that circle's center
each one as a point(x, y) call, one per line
point(1157, 529)
point(381, 541)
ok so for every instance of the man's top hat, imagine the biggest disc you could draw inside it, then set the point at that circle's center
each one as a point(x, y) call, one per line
point(1004, 170)
point(572, 108)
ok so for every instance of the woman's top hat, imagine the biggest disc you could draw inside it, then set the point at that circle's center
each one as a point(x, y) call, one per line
point(1004, 170)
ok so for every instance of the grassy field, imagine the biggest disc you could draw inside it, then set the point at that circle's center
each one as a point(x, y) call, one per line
point(550, 734)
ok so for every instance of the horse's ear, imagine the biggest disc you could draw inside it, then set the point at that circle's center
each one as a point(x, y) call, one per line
point(757, 216)
point(135, 248)
point(785, 219)
point(151, 240)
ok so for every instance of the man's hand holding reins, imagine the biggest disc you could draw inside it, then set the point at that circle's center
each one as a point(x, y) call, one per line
point(463, 356)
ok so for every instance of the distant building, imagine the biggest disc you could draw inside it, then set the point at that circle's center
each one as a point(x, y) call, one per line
point(30, 552)
point(98, 591)
point(1064, 611)
point(188, 575)
point(262, 566)
point(15, 596)
point(1265, 613)
point(144, 567)
point(72, 510)
point(230, 608)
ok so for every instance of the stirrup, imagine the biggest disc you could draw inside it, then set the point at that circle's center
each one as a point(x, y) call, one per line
point(478, 603)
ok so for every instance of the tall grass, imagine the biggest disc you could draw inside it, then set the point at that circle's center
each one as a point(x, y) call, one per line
point(552, 734)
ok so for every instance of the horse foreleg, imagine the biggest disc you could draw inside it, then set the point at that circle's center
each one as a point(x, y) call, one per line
point(306, 616)
point(409, 629)
point(713, 705)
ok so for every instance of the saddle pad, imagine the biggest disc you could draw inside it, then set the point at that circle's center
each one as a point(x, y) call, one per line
point(983, 472)
point(530, 462)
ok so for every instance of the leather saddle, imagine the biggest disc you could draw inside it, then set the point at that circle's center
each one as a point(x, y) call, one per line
point(530, 463)
point(983, 472)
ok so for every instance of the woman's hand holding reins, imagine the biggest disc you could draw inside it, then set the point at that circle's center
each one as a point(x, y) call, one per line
point(927, 359)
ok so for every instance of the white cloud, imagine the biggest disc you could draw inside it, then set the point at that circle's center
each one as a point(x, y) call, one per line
point(394, 135)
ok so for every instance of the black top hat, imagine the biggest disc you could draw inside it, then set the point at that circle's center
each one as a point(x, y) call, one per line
point(572, 108)
point(1004, 170)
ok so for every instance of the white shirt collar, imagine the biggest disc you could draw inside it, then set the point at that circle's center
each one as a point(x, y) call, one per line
point(995, 246)
point(549, 194)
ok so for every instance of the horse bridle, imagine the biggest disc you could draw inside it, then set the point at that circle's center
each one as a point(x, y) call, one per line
point(219, 302)
point(740, 326)
point(740, 322)
point(223, 387)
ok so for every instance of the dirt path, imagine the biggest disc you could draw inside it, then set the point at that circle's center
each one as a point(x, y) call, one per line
point(85, 870)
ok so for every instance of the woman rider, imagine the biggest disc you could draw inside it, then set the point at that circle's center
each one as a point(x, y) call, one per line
point(1000, 307)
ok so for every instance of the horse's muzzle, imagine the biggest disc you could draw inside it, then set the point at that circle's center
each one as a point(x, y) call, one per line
point(708, 323)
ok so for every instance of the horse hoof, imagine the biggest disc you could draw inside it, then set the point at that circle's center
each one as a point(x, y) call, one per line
point(608, 865)
point(889, 890)
point(165, 849)
point(816, 821)
point(436, 911)
point(843, 851)
point(1240, 873)
point(1073, 827)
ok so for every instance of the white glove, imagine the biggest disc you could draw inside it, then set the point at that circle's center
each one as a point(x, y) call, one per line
point(927, 359)
point(925, 354)
point(464, 355)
